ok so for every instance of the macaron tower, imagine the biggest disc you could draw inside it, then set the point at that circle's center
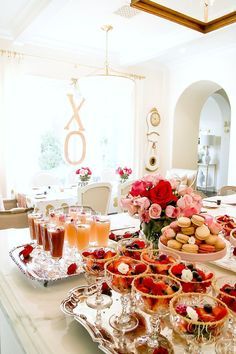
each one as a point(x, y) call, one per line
point(193, 235)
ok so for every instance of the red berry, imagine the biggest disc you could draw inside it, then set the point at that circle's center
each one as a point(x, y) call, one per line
point(148, 282)
point(160, 350)
point(72, 269)
point(181, 310)
point(177, 269)
point(86, 254)
point(140, 268)
point(112, 236)
point(99, 254)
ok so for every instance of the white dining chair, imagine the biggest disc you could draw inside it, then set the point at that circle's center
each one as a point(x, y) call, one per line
point(96, 195)
point(122, 191)
point(227, 190)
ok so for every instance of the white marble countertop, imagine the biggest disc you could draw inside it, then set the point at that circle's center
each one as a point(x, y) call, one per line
point(33, 311)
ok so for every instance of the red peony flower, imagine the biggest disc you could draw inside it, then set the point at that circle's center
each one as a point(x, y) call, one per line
point(140, 188)
point(162, 194)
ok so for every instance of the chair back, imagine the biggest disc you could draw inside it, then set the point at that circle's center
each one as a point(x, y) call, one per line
point(123, 191)
point(12, 216)
point(227, 190)
point(185, 177)
point(95, 195)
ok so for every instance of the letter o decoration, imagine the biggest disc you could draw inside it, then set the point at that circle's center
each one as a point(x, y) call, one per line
point(66, 152)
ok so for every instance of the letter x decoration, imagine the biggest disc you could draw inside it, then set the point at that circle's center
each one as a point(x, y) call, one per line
point(78, 132)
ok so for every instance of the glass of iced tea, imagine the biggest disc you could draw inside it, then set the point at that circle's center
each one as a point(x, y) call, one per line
point(31, 219)
point(102, 230)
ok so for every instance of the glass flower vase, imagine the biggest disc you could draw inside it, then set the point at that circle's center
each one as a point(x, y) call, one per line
point(152, 229)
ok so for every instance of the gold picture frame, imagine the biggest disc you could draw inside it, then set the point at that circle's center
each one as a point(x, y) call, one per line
point(182, 19)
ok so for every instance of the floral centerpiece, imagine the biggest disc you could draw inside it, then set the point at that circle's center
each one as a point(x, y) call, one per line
point(157, 202)
point(124, 173)
point(84, 173)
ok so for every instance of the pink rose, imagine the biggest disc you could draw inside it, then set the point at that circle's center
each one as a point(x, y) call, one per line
point(155, 211)
point(185, 190)
point(189, 211)
point(174, 183)
point(143, 203)
point(185, 201)
point(172, 212)
point(152, 180)
point(132, 209)
point(208, 219)
point(125, 203)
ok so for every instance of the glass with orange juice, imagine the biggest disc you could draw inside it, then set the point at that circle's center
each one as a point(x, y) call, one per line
point(91, 220)
point(102, 230)
point(82, 236)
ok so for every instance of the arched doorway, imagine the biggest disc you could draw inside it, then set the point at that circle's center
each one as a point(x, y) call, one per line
point(188, 111)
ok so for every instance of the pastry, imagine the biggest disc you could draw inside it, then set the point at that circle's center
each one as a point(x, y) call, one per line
point(211, 240)
point(188, 230)
point(219, 245)
point(202, 232)
point(174, 244)
point(204, 248)
point(187, 247)
point(182, 238)
point(198, 220)
point(183, 221)
point(163, 240)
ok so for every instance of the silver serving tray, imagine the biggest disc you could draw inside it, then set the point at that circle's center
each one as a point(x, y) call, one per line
point(108, 340)
point(26, 268)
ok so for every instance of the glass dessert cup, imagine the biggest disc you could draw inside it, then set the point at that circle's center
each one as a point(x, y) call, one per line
point(132, 247)
point(56, 242)
point(94, 259)
point(159, 261)
point(199, 319)
point(119, 274)
point(193, 277)
point(225, 290)
point(153, 293)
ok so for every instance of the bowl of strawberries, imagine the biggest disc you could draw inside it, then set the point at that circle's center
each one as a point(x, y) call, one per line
point(132, 247)
point(228, 223)
point(159, 261)
point(198, 317)
point(194, 277)
point(94, 258)
point(225, 290)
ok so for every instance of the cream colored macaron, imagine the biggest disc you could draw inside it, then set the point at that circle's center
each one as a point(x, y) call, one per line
point(174, 244)
point(188, 230)
point(183, 221)
point(182, 238)
point(202, 232)
point(211, 240)
point(198, 220)
point(219, 245)
point(190, 248)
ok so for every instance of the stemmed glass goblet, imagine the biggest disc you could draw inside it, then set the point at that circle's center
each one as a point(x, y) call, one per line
point(159, 261)
point(132, 247)
point(56, 242)
point(94, 259)
point(119, 274)
point(153, 293)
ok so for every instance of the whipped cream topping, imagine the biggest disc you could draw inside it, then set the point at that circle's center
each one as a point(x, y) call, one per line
point(192, 314)
point(187, 275)
point(123, 268)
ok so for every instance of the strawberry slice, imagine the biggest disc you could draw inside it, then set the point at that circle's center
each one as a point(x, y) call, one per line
point(148, 282)
point(140, 268)
point(160, 350)
point(109, 254)
point(72, 269)
point(178, 268)
point(219, 312)
point(204, 316)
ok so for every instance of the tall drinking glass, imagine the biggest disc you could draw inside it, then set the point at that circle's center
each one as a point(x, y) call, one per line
point(56, 242)
point(102, 230)
point(70, 236)
point(91, 220)
point(31, 218)
point(82, 237)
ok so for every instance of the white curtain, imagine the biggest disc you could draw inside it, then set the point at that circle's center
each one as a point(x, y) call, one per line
point(10, 72)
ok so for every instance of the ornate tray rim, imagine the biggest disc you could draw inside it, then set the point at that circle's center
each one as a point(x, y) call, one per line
point(30, 274)
point(93, 331)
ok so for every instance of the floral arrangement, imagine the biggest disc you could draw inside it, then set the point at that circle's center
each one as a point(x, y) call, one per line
point(157, 202)
point(84, 173)
point(124, 173)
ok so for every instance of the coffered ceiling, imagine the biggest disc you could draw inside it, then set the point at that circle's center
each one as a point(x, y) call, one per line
point(72, 28)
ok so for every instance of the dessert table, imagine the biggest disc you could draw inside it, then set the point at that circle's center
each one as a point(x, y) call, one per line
point(31, 319)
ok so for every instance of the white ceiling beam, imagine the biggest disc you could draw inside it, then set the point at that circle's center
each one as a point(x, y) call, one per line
point(27, 16)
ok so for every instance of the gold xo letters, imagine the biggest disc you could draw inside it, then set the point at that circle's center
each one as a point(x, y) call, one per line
point(78, 132)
